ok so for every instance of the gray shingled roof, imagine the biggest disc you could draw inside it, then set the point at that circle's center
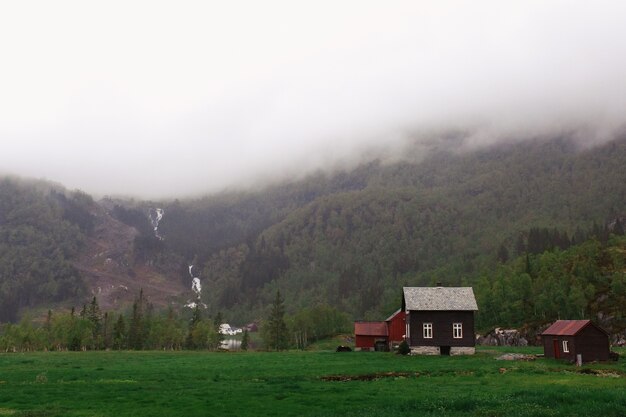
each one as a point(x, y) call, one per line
point(439, 298)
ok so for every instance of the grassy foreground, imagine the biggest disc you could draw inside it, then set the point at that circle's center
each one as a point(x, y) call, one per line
point(295, 384)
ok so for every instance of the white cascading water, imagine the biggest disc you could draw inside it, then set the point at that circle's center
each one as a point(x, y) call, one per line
point(196, 287)
point(155, 216)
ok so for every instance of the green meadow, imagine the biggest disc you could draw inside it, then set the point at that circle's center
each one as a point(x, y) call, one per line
point(322, 383)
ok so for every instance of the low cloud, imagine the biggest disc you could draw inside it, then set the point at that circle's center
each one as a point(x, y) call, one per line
point(161, 99)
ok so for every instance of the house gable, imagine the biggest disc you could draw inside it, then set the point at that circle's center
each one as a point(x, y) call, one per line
point(440, 320)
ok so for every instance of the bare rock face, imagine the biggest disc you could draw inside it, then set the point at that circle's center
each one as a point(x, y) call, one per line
point(502, 337)
point(619, 339)
point(110, 272)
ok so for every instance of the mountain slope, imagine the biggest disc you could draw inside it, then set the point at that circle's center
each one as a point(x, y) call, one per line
point(38, 239)
point(416, 223)
point(111, 270)
point(58, 247)
point(350, 239)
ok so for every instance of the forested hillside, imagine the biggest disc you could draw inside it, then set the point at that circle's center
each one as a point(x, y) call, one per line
point(584, 281)
point(353, 239)
point(348, 239)
point(41, 231)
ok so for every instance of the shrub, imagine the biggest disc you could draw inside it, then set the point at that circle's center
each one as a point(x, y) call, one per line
point(403, 348)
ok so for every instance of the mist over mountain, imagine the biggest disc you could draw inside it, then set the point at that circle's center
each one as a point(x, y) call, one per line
point(202, 97)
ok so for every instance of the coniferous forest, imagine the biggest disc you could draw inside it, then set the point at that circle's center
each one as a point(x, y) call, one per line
point(535, 227)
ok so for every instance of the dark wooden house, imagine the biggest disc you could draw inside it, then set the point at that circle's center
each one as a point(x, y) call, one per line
point(567, 338)
point(396, 328)
point(440, 320)
point(371, 335)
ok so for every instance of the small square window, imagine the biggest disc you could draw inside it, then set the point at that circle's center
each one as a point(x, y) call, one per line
point(428, 330)
point(565, 346)
point(457, 330)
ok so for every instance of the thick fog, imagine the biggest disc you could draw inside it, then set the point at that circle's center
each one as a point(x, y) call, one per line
point(170, 98)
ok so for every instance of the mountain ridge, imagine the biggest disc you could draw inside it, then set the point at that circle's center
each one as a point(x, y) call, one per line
point(349, 239)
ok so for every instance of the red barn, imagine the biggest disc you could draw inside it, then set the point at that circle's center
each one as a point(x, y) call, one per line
point(396, 328)
point(567, 338)
point(370, 335)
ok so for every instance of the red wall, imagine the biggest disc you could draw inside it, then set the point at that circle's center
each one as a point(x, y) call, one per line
point(396, 327)
point(365, 341)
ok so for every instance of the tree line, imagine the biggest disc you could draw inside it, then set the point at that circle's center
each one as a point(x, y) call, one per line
point(145, 328)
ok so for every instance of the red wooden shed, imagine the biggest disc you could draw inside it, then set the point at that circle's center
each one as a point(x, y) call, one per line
point(396, 327)
point(567, 338)
point(370, 335)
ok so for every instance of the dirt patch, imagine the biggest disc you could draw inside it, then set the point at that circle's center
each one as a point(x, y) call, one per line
point(369, 377)
point(605, 373)
point(107, 266)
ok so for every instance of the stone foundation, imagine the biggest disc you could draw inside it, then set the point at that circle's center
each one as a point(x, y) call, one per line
point(425, 350)
point(462, 350)
point(435, 350)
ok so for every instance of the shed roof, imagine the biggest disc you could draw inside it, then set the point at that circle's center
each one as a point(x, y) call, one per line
point(370, 328)
point(439, 298)
point(568, 327)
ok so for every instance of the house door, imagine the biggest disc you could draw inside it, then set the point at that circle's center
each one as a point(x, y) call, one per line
point(555, 343)
point(445, 350)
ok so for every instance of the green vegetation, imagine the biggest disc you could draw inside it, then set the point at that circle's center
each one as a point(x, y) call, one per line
point(41, 231)
point(274, 329)
point(148, 329)
point(352, 239)
point(586, 280)
point(303, 384)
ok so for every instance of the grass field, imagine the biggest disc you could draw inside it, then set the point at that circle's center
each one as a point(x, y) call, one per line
point(304, 384)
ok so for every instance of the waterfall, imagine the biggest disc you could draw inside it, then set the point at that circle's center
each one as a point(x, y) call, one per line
point(195, 282)
point(155, 215)
point(196, 287)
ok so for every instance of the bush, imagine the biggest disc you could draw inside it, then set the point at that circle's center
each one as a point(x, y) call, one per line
point(403, 348)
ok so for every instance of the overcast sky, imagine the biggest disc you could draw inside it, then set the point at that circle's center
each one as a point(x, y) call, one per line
point(169, 98)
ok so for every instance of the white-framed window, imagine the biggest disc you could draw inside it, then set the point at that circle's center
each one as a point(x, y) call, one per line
point(457, 330)
point(565, 346)
point(428, 330)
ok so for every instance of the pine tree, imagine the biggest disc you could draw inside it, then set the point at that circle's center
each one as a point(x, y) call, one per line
point(136, 329)
point(196, 318)
point(47, 327)
point(94, 316)
point(119, 333)
point(245, 340)
point(106, 331)
point(275, 332)
point(219, 337)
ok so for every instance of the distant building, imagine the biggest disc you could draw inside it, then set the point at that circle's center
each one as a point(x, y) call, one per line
point(440, 320)
point(371, 335)
point(251, 327)
point(226, 329)
point(565, 339)
point(396, 328)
